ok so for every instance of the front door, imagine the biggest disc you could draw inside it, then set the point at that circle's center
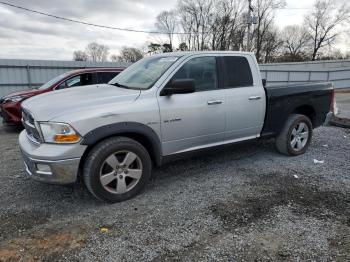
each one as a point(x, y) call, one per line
point(196, 120)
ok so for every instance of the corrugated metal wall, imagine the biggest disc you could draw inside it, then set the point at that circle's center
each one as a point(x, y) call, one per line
point(22, 74)
point(313, 65)
point(339, 77)
point(335, 71)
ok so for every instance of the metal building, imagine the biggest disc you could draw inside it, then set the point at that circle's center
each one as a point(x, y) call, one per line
point(335, 71)
point(22, 74)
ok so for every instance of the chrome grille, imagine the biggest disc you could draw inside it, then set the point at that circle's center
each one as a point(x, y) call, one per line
point(29, 125)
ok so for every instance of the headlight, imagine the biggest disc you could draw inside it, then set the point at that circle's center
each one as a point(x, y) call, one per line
point(15, 99)
point(59, 133)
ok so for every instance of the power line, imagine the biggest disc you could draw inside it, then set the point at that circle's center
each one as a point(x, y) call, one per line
point(86, 23)
point(105, 26)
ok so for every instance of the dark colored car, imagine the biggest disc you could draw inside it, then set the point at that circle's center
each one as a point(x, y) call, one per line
point(10, 105)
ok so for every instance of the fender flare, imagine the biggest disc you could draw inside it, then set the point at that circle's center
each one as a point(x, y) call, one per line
point(103, 132)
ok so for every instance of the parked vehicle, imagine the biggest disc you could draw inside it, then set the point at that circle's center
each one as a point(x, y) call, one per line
point(161, 108)
point(10, 105)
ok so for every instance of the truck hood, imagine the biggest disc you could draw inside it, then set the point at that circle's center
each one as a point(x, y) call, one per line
point(91, 98)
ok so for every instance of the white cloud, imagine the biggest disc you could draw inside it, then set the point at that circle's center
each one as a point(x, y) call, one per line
point(32, 36)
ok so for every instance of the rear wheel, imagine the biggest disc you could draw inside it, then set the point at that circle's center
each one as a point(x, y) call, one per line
point(117, 169)
point(295, 137)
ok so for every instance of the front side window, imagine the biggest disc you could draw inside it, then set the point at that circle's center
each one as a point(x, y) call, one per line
point(75, 81)
point(202, 70)
point(53, 81)
point(79, 80)
point(238, 72)
point(144, 73)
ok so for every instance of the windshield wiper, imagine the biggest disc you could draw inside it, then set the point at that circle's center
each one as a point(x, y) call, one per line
point(120, 85)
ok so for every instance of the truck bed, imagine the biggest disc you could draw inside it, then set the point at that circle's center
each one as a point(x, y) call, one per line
point(311, 99)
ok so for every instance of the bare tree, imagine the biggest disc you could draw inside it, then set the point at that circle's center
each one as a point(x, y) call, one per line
point(296, 40)
point(334, 54)
point(228, 25)
point(80, 56)
point(129, 55)
point(166, 23)
point(271, 45)
point(114, 58)
point(186, 23)
point(323, 21)
point(265, 10)
point(196, 18)
point(97, 52)
point(212, 24)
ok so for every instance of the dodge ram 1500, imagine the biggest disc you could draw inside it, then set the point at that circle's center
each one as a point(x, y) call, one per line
point(160, 108)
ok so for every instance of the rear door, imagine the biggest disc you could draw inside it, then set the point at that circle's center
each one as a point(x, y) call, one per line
point(245, 97)
point(195, 120)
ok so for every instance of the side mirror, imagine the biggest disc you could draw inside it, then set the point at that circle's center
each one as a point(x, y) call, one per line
point(264, 82)
point(179, 86)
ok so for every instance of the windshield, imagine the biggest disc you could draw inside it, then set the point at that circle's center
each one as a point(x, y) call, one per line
point(144, 73)
point(53, 81)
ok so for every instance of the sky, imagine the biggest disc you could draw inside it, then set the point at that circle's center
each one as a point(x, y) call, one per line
point(25, 35)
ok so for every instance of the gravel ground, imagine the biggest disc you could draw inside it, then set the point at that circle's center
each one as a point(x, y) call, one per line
point(244, 203)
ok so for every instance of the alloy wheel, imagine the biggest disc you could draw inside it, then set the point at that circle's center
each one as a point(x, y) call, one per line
point(120, 172)
point(299, 136)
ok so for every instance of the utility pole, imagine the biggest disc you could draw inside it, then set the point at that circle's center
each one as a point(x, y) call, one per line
point(250, 22)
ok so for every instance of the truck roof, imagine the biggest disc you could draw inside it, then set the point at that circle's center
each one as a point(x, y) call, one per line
point(188, 53)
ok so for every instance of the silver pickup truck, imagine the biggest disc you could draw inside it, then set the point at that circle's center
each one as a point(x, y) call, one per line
point(163, 107)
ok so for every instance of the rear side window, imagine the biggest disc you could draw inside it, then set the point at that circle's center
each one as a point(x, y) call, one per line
point(238, 72)
point(105, 77)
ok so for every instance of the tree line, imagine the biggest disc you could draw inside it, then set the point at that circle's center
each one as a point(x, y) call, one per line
point(223, 25)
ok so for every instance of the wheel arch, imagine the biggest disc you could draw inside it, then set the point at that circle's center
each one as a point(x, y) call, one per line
point(306, 110)
point(141, 133)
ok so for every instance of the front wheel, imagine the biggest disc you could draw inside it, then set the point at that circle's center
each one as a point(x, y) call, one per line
point(295, 136)
point(117, 169)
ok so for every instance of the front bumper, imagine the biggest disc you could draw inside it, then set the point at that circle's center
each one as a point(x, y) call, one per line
point(50, 163)
point(55, 172)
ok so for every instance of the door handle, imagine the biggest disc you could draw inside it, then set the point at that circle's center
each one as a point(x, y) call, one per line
point(254, 97)
point(214, 102)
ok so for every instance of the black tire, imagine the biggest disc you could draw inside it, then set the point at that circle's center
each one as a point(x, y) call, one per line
point(283, 140)
point(96, 159)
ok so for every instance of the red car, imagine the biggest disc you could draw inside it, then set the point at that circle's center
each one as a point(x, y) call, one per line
point(10, 105)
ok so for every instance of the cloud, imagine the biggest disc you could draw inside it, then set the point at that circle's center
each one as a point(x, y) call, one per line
point(33, 36)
